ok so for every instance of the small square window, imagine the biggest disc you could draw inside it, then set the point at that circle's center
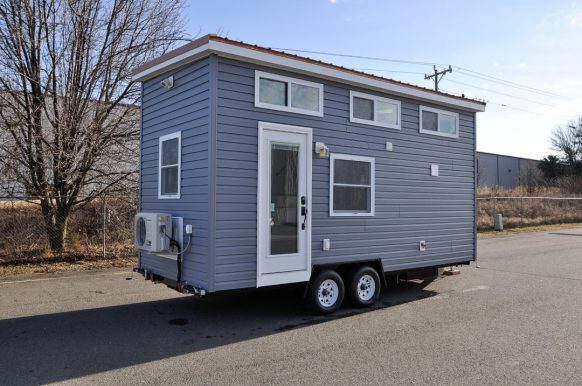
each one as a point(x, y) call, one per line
point(169, 166)
point(448, 124)
point(439, 122)
point(374, 110)
point(387, 112)
point(273, 92)
point(430, 121)
point(364, 108)
point(304, 97)
point(351, 185)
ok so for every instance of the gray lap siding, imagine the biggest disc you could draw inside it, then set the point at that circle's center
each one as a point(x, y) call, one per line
point(186, 108)
point(410, 204)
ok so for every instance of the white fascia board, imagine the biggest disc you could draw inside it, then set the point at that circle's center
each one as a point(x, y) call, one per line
point(177, 61)
point(295, 65)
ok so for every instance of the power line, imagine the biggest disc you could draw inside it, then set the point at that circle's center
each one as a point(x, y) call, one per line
point(457, 82)
point(522, 88)
point(512, 83)
point(467, 71)
point(384, 70)
point(360, 57)
point(498, 92)
point(504, 105)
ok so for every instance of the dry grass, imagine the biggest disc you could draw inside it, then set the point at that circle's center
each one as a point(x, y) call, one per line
point(536, 228)
point(24, 244)
point(522, 209)
point(55, 266)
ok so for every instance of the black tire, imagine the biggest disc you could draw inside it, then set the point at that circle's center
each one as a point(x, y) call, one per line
point(364, 286)
point(326, 292)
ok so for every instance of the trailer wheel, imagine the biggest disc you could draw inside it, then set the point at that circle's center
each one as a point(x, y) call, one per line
point(364, 286)
point(326, 292)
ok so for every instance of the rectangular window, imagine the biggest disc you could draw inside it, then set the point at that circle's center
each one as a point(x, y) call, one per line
point(277, 92)
point(439, 122)
point(170, 157)
point(351, 185)
point(374, 110)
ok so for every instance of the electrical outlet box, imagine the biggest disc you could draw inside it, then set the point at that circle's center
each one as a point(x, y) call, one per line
point(326, 245)
point(389, 146)
point(434, 170)
point(422, 245)
point(188, 229)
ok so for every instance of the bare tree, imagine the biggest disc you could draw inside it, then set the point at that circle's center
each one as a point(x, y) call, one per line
point(567, 140)
point(69, 120)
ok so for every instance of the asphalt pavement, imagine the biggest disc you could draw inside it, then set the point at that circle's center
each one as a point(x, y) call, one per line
point(515, 320)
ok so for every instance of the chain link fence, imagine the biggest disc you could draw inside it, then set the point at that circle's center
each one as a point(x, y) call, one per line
point(528, 211)
point(101, 229)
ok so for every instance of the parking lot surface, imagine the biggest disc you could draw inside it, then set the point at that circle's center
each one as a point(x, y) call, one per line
point(515, 320)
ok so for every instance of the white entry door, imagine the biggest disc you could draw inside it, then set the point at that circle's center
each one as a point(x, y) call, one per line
point(284, 204)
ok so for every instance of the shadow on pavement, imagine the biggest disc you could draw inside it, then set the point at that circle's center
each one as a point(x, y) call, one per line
point(56, 347)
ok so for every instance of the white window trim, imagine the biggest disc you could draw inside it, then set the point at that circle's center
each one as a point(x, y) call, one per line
point(164, 138)
point(348, 157)
point(374, 122)
point(439, 113)
point(288, 80)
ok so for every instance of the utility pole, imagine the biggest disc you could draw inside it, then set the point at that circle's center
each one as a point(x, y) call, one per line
point(438, 75)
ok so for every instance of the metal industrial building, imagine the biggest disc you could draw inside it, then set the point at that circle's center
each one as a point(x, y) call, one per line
point(504, 171)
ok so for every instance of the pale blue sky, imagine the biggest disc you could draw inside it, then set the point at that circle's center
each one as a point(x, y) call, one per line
point(534, 43)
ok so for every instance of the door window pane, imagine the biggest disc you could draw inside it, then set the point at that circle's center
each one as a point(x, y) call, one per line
point(363, 108)
point(448, 124)
point(283, 206)
point(273, 92)
point(351, 172)
point(387, 112)
point(304, 97)
point(429, 121)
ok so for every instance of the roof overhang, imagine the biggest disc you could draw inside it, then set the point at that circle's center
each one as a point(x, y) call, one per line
point(274, 59)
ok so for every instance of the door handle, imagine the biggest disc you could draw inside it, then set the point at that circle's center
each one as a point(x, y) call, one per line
point(304, 212)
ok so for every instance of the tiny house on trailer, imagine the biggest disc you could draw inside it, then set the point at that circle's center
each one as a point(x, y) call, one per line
point(261, 168)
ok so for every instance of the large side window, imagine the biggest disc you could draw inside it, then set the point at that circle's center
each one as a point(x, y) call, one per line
point(169, 165)
point(439, 122)
point(374, 110)
point(282, 93)
point(351, 185)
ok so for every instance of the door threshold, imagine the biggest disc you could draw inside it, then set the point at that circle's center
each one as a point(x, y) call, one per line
point(282, 278)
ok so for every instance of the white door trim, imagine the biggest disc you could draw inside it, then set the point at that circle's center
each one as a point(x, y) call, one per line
point(265, 279)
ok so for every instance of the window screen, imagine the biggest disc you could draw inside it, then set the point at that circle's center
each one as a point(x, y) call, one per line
point(352, 185)
point(364, 109)
point(429, 121)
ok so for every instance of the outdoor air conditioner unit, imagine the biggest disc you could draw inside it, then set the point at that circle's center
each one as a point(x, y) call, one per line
point(153, 231)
